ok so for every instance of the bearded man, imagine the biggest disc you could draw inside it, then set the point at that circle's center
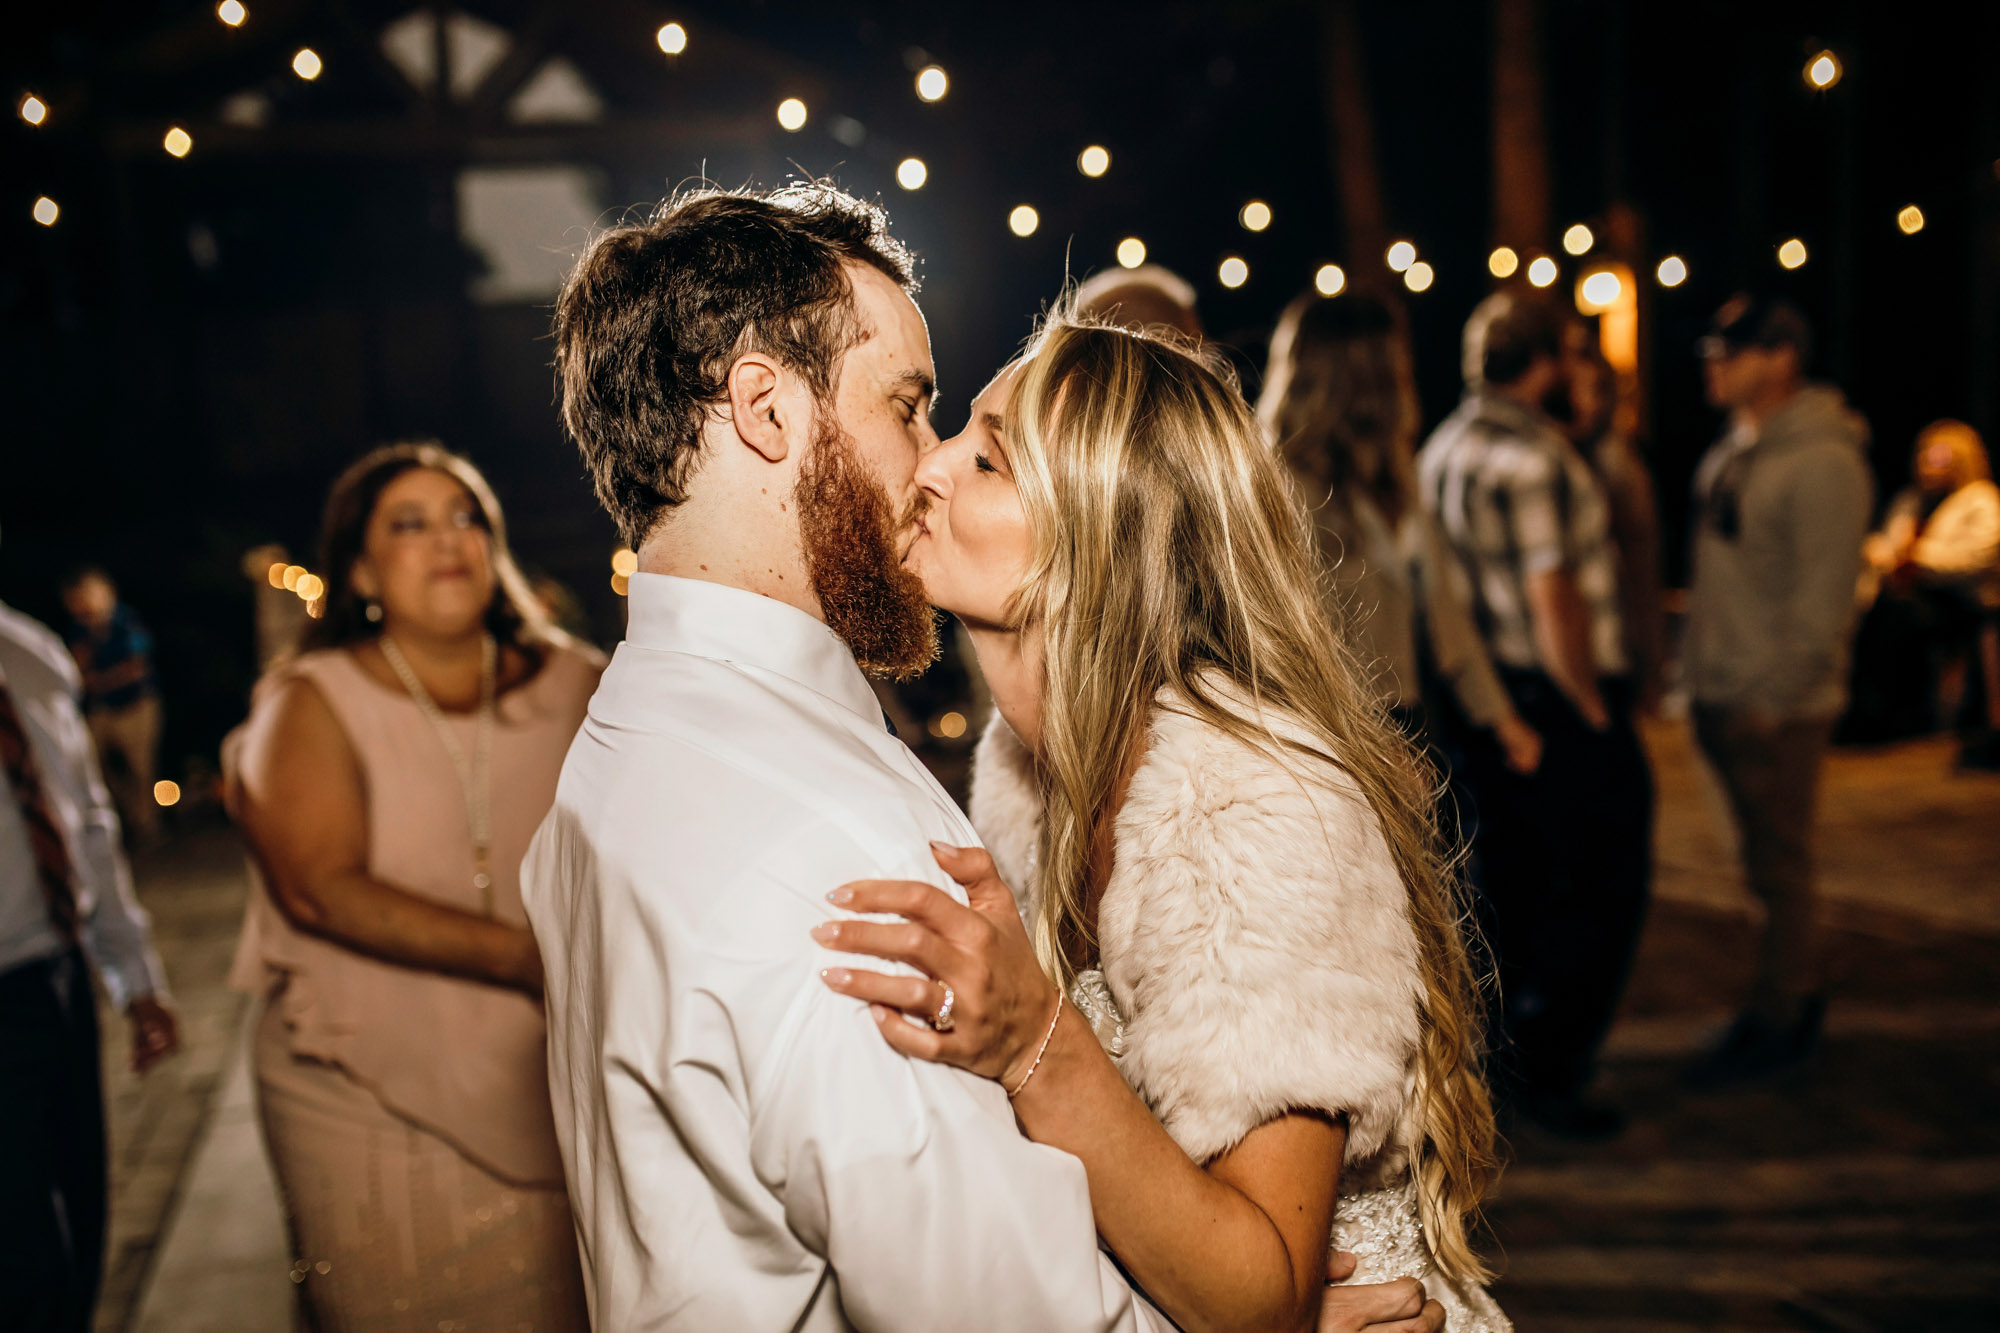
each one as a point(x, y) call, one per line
point(750, 384)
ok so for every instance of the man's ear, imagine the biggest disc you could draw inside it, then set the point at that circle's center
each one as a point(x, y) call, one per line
point(757, 406)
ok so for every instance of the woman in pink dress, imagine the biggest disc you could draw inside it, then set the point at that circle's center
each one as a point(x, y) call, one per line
point(388, 781)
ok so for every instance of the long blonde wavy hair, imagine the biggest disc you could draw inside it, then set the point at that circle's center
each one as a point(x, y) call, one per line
point(1171, 553)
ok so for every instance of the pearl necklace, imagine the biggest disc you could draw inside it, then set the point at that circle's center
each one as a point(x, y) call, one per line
point(475, 775)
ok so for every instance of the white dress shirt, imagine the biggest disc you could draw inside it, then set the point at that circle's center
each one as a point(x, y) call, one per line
point(40, 674)
point(743, 1150)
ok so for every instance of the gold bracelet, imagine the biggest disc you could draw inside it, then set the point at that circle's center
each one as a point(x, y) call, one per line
point(1046, 1036)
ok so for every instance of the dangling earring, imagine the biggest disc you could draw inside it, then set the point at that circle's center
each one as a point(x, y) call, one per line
point(373, 612)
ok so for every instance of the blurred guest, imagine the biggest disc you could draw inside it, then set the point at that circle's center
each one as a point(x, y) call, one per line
point(389, 780)
point(1781, 508)
point(121, 695)
point(66, 909)
point(1593, 425)
point(1340, 403)
point(1146, 297)
point(1565, 851)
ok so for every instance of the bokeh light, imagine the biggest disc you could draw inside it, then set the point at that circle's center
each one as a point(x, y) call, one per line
point(932, 83)
point(1233, 272)
point(1599, 291)
point(1419, 276)
point(911, 173)
point(1023, 220)
point(275, 575)
point(34, 110)
point(1256, 215)
point(1673, 271)
point(1792, 254)
point(621, 583)
point(1094, 161)
point(1331, 280)
point(1542, 271)
point(232, 12)
point(792, 114)
point(1503, 262)
point(672, 37)
point(625, 561)
point(166, 793)
point(291, 577)
point(46, 211)
point(178, 142)
point(309, 587)
point(1131, 252)
point(1578, 240)
point(1823, 70)
point(1910, 219)
point(1401, 255)
point(307, 64)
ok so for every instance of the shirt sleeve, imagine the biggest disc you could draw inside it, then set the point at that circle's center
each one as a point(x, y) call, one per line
point(914, 1182)
point(1456, 644)
point(1829, 518)
point(1532, 495)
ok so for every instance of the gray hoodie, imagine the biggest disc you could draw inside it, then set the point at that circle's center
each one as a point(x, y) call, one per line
point(1779, 523)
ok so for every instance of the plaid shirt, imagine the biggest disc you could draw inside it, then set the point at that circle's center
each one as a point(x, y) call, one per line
point(1515, 500)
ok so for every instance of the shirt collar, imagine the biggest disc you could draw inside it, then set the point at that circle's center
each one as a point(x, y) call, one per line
point(676, 615)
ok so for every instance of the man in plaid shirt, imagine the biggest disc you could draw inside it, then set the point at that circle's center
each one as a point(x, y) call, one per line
point(1564, 852)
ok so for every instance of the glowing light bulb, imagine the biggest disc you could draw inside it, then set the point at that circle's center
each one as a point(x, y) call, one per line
point(1600, 291)
point(621, 583)
point(1401, 255)
point(292, 575)
point(1419, 276)
point(1503, 263)
point(1023, 220)
point(307, 64)
point(1094, 161)
point(672, 37)
point(1331, 280)
point(932, 83)
point(792, 114)
point(1131, 252)
point(911, 173)
point(232, 12)
point(951, 726)
point(1256, 215)
point(34, 110)
point(1792, 254)
point(178, 142)
point(1910, 220)
point(1233, 272)
point(1542, 271)
point(1673, 271)
point(1823, 70)
point(1578, 240)
point(46, 211)
point(625, 561)
point(166, 793)
point(275, 575)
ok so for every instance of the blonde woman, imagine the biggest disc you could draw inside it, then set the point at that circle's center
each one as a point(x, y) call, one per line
point(1241, 996)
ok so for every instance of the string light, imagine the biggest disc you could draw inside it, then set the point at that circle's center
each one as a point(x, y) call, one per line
point(1673, 271)
point(232, 13)
point(309, 587)
point(1023, 220)
point(1331, 280)
point(1578, 240)
point(1503, 262)
point(1094, 161)
point(672, 37)
point(625, 561)
point(1233, 272)
point(621, 584)
point(1910, 220)
point(1599, 291)
point(1823, 70)
point(166, 792)
point(911, 173)
point(289, 580)
point(1792, 254)
point(932, 83)
point(1256, 215)
point(1542, 271)
point(1419, 276)
point(792, 114)
point(33, 109)
point(1401, 255)
point(950, 726)
point(275, 575)
point(46, 211)
point(307, 64)
point(178, 142)
point(1131, 252)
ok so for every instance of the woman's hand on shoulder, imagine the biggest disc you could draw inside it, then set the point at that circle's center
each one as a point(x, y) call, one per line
point(1000, 998)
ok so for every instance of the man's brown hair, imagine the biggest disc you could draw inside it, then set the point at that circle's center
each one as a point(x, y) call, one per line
point(1505, 335)
point(655, 313)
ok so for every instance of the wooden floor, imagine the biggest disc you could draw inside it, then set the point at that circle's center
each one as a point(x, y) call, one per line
point(1862, 1195)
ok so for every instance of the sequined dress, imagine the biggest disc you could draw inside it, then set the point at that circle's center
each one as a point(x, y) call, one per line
point(1379, 1227)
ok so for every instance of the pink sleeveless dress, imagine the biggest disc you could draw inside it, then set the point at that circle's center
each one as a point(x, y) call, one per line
point(407, 1112)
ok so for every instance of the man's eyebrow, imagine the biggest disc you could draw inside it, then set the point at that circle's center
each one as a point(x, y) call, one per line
point(920, 380)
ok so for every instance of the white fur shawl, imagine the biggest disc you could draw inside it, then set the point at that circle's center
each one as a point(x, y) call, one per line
point(1255, 936)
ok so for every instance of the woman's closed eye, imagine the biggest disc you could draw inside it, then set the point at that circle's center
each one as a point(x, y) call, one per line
point(984, 464)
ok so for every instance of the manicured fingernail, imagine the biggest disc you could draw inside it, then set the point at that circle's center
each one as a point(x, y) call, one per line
point(826, 930)
point(834, 976)
point(879, 1012)
point(841, 896)
point(943, 848)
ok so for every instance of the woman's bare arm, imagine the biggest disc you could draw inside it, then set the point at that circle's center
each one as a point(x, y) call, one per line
point(303, 810)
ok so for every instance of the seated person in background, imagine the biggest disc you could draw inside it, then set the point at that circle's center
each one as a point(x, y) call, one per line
point(1939, 551)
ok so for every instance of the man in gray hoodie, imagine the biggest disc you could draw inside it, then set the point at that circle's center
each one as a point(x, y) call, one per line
point(1782, 503)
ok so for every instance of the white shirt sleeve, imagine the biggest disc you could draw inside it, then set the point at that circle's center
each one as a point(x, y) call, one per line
point(912, 1179)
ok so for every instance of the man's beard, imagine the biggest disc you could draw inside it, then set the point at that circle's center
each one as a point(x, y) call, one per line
point(847, 527)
